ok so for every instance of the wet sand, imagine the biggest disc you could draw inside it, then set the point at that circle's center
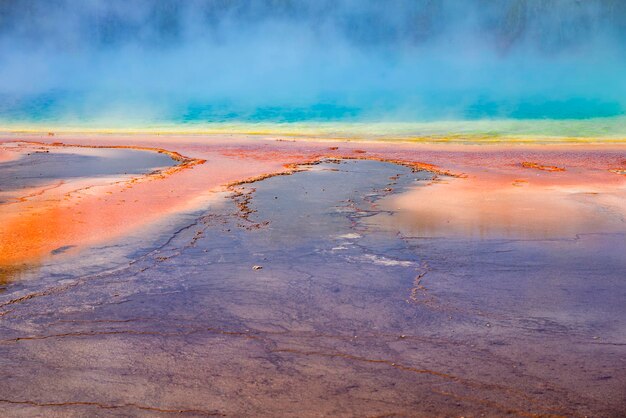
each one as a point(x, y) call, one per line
point(463, 282)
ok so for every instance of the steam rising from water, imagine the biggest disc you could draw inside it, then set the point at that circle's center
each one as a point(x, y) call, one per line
point(192, 61)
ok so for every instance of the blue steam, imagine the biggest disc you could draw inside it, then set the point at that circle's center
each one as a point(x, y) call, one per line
point(311, 60)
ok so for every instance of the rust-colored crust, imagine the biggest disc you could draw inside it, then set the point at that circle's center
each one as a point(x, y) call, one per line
point(537, 166)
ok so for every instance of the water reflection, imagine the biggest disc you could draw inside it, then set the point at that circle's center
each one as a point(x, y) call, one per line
point(496, 209)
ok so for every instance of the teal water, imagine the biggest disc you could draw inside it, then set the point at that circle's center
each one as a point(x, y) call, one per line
point(574, 118)
point(59, 106)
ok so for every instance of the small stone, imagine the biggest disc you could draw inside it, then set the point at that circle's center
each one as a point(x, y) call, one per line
point(257, 267)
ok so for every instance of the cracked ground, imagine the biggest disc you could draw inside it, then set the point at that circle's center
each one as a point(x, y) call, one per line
point(290, 300)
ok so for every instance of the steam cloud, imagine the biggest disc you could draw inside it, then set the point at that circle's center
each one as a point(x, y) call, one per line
point(283, 60)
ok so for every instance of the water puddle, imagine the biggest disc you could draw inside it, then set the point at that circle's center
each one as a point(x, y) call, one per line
point(43, 166)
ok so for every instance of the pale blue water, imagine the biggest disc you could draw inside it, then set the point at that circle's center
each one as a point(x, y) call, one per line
point(313, 61)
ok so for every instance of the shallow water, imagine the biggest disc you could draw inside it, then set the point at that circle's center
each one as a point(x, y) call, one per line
point(42, 167)
point(343, 317)
point(40, 187)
